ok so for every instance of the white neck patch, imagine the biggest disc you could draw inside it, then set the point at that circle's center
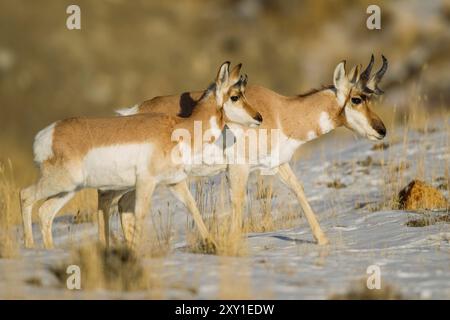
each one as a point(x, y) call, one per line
point(325, 123)
point(215, 129)
point(311, 135)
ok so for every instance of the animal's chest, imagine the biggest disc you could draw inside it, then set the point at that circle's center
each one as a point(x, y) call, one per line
point(263, 148)
point(207, 161)
point(203, 155)
point(281, 151)
point(287, 148)
point(206, 170)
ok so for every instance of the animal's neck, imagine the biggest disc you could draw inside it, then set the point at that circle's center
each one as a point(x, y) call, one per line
point(215, 123)
point(308, 117)
point(220, 118)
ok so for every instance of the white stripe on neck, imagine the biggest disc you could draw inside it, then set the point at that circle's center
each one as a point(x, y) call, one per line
point(325, 123)
point(311, 135)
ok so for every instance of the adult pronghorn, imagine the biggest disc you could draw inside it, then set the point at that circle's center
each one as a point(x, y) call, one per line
point(300, 119)
point(133, 152)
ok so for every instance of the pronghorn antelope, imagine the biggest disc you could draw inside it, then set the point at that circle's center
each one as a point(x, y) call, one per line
point(133, 152)
point(299, 119)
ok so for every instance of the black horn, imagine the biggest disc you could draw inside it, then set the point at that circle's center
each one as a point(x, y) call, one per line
point(242, 82)
point(244, 79)
point(376, 78)
point(365, 75)
point(382, 70)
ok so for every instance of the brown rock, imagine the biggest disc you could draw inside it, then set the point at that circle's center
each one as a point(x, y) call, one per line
point(419, 195)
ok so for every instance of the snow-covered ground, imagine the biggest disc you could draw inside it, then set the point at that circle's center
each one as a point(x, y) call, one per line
point(287, 264)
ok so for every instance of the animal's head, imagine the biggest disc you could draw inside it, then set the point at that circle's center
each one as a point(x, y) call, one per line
point(230, 96)
point(354, 93)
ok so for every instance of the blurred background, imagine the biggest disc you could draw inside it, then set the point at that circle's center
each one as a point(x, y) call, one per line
point(129, 51)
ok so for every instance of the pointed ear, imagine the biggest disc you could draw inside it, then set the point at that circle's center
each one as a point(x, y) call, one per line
point(223, 74)
point(222, 79)
point(339, 79)
point(234, 74)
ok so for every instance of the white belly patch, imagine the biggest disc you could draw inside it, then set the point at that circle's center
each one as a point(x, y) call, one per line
point(115, 167)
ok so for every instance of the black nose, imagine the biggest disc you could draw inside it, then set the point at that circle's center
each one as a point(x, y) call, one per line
point(258, 117)
point(379, 127)
point(382, 131)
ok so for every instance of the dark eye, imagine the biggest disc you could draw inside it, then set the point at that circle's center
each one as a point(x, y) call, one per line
point(356, 100)
point(234, 98)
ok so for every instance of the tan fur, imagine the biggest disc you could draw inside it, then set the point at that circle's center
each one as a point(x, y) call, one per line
point(100, 132)
point(298, 117)
point(364, 108)
point(72, 140)
point(295, 115)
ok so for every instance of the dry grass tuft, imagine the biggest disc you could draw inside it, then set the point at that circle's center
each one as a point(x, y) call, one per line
point(84, 206)
point(428, 220)
point(226, 242)
point(262, 222)
point(336, 184)
point(401, 167)
point(116, 269)
point(380, 146)
point(261, 218)
point(158, 244)
point(9, 211)
point(210, 199)
point(368, 161)
point(397, 171)
point(443, 183)
point(419, 195)
point(259, 223)
point(359, 291)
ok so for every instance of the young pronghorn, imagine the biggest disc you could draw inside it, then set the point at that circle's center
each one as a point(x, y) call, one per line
point(134, 152)
point(299, 119)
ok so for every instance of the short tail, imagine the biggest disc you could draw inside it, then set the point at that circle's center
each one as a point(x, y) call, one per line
point(43, 142)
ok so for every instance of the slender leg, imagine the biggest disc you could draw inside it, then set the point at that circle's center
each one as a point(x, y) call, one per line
point(102, 217)
point(144, 191)
point(288, 177)
point(106, 201)
point(47, 213)
point(181, 191)
point(127, 220)
point(238, 178)
point(52, 182)
point(126, 213)
point(27, 199)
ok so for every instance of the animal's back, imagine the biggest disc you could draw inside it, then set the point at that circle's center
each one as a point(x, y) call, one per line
point(182, 105)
